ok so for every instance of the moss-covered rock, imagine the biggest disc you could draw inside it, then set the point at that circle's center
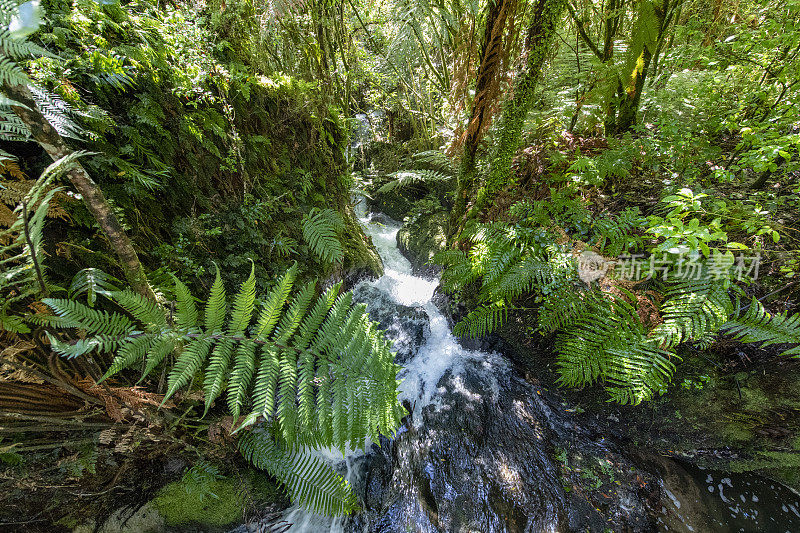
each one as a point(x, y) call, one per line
point(424, 233)
point(214, 502)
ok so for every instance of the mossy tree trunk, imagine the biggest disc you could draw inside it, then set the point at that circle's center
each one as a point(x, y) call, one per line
point(48, 138)
point(487, 86)
point(541, 34)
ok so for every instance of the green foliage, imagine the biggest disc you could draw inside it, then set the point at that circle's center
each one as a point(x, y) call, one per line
point(316, 372)
point(758, 325)
point(600, 335)
point(431, 167)
point(321, 229)
point(21, 244)
point(307, 479)
point(205, 497)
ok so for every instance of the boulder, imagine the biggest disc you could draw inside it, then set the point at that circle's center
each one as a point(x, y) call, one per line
point(421, 237)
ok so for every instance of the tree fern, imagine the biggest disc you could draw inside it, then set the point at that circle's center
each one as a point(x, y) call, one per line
point(321, 229)
point(313, 372)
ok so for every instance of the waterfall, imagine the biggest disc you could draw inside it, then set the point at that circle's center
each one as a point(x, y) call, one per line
point(479, 449)
point(439, 353)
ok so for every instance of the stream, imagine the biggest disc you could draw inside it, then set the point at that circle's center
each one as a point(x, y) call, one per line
point(476, 452)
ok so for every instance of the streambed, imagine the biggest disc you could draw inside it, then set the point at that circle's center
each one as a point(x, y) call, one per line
point(485, 450)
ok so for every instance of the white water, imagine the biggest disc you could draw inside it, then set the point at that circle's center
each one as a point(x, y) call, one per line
point(420, 376)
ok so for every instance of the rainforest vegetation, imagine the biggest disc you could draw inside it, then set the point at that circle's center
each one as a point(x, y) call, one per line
point(608, 192)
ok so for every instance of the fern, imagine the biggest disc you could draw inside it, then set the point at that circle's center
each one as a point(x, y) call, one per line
point(91, 281)
point(615, 235)
point(599, 335)
point(316, 373)
point(482, 321)
point(404, 178)
point(21, 251)
point(321, 229)
point(309, 481)
point(693, 308)
point(13, 48)
point(757, 325)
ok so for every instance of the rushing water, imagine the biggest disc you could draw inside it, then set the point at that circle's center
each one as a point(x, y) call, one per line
point(478, 448)
point(439, 353)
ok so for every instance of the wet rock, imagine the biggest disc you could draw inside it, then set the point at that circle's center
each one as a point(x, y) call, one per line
point(407, 327)
point(145, 519)
point(421, 237)
point(477, 461)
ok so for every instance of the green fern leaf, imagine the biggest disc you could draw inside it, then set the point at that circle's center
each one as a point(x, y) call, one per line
point(320, 230)
point(215, 306)
point(759, 326)
point(243, 305)
point(241, 377)
point(186, 313)
point(187, 365)
point(309, 481)
point(276, 299)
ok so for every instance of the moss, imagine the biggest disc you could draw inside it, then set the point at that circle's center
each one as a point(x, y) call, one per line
point(214, 502)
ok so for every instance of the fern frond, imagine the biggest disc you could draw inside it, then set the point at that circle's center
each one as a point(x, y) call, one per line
point(519, 279)
point(217, 371)
point(292, 318)
point(91, 281)
point(95, 322)
point(308, 480)
point(188, 364)
point(405, 178)
point(275, 301)
point(243, 304)
point(186, 314)
point(638, 370)
point(316, 373)
point(758, 325)
point(266, 384)
point(216, 305)
point(131, 353)
point(241, 376)
point(692, 308)
point(156, 354)
point(144, 310)
point(482, 321)
point(320, 230)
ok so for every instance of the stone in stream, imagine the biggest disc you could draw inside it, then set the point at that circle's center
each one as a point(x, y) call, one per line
point(481, 460)
point(407, 327)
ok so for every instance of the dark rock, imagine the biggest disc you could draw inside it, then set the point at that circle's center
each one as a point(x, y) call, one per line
point(421, 237)
point(406, 326)
point(481, 459)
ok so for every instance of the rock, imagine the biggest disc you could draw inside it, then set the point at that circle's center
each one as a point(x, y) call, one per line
point(480, 459)
point(394, 204)
point(405, 326)
point(421, 237)
point(145, 519)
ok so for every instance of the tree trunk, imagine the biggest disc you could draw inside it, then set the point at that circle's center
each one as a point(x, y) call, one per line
point(486, 92)
point(546, 17)
point(629, 106)
point(47, 136)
